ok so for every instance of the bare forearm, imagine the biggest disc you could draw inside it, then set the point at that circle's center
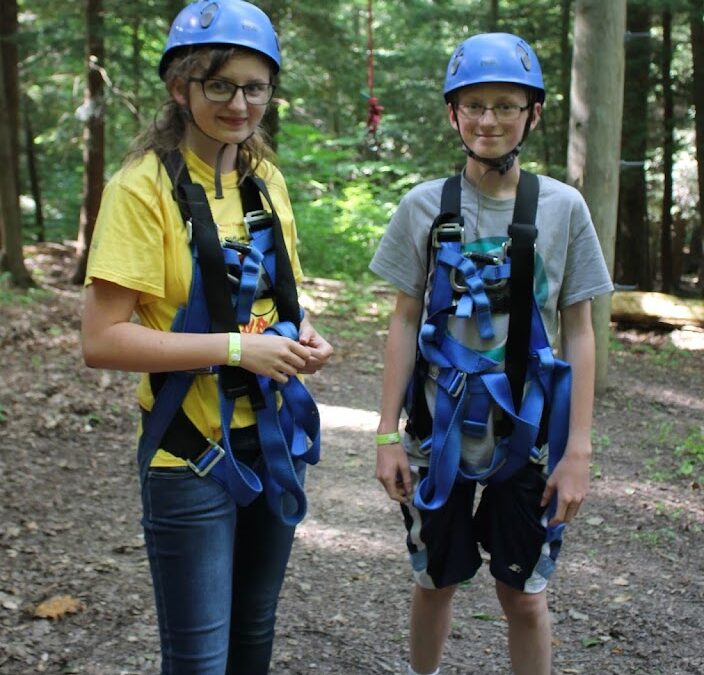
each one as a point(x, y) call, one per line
point(399, 360)
point(132, 347)
point(578, 350)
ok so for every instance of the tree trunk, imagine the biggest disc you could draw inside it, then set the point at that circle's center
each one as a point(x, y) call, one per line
point(697, 39)
point(271, 122)
point(93, 135)
point(669, 281)
point(596, 104)
point(493, 20)
point(632, 263)
point(33, 173)
point(172, 8)
point(8, 44)
point(11, 256)
point(565, 75)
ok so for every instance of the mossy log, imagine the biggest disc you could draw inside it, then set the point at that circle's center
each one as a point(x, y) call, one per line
point(651, 309)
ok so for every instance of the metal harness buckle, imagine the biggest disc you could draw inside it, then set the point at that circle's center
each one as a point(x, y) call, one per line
point(253, 218)
point(210, 457)
point(448, 232)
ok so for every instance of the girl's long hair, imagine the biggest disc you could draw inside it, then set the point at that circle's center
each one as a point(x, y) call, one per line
point(169, 124)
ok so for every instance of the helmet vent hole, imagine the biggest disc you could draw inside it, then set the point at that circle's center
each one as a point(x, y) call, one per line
point(523, 56)
point(208, 14)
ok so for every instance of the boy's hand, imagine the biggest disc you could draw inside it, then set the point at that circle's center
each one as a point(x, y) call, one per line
point(570, 479)
point(394, 472)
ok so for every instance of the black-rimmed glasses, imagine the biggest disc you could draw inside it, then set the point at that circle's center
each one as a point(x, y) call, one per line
point(223, 91)
point(504, 112)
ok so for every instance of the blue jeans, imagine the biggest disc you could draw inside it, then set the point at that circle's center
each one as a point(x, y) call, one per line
point(217, 570)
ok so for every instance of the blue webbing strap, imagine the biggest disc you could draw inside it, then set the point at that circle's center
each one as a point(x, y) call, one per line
point(458, 401)
point(288, 437)
point(466, 390)
point(237, 478)
point(247, 260)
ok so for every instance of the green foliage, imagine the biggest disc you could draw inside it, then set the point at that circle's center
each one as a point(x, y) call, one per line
point(341, 204)
point(686, 454)
point(342, 194)
point(690, 454)
point(11, 295)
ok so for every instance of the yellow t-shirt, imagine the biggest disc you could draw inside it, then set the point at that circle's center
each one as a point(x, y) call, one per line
point(140, 243)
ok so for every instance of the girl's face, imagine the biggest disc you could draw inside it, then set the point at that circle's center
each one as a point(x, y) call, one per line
point(218, 122)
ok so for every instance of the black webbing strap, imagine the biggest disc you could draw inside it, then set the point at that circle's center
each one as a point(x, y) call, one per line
point(285, 289)
point(193, 204)
point(451, 198)
point(420, 422)
point(522, 234)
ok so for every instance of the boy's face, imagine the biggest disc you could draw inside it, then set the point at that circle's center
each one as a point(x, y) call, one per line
point(492, 117)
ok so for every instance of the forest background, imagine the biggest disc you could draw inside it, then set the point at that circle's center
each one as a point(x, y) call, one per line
point(80, 81)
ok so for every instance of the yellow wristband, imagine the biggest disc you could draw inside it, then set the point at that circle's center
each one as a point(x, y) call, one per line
point(388, 439)
point(234, 349)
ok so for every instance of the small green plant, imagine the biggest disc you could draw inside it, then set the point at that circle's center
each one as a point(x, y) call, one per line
point(655, 537)
point(3, 414)
point(690, 454)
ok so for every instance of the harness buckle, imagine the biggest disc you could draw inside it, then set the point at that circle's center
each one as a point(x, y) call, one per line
point(456, 285)
point(254, 218)
point(448, 232)
point(457, 384)
point(210, 457)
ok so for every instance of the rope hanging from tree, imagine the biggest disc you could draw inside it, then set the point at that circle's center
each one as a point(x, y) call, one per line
point(374, 110)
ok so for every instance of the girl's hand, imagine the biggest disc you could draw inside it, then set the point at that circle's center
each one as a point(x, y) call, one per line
point(273, 356)
point(320, 350)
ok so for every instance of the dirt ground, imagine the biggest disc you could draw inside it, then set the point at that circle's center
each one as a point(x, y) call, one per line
point(628, 596)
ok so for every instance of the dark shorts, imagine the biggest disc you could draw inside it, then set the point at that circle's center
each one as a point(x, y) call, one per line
point(508, 524)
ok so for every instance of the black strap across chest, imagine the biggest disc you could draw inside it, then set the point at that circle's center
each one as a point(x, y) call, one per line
point(522, 235)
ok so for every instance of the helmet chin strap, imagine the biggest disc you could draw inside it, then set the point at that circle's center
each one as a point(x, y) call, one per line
point(501, 164)
point(221, 152)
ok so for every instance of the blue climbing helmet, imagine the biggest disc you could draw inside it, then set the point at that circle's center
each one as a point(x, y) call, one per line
point(494, 57)
point(232, 23)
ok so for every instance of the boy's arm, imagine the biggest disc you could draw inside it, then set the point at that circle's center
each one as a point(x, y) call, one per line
point(571, 475)
point(392, 468)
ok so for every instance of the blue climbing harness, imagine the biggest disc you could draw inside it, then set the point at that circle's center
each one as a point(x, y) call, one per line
point(226, 280)
point(532, 391)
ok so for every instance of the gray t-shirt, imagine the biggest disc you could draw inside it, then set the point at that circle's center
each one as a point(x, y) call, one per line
point(569, 265)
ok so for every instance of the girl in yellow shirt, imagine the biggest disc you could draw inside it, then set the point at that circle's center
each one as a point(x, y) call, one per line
point(217, 567)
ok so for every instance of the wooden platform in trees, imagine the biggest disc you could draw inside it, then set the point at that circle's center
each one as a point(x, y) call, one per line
point(652, 309)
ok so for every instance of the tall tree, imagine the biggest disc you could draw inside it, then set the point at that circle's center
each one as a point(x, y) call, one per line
point(93, 110)
point(565, 76)
point(596, 103)
point(11, 255)
point(668, 144)
point(493, 16)
point(33, 171)
point(696, 22)
point(632, 264)
point(8, 44)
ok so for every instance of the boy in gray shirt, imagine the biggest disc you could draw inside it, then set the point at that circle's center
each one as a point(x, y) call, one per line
point(494, 93)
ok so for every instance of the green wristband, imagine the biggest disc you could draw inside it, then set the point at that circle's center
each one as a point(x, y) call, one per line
point(388, 439)
point(234, 349)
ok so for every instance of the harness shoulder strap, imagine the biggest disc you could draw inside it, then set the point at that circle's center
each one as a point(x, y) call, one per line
point(285, 290)
point(419, 421)
point(522, 233)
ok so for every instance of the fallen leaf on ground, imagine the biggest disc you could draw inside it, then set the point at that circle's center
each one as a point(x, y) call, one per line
point(58, 607)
